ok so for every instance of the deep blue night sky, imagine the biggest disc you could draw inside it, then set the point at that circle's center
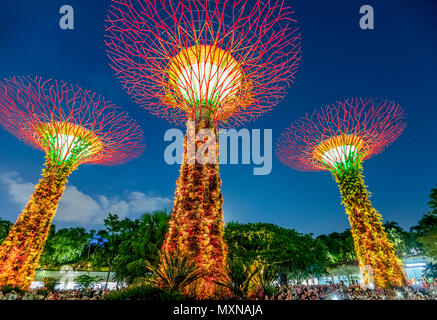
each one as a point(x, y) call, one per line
point(397, 60)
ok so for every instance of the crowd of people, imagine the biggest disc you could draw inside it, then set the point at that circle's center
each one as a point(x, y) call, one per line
point(41, 294)
point(337, 291)
point(340, 291)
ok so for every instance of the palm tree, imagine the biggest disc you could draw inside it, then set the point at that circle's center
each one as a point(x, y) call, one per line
point(140, 246)
point(265, 279)
point(299, 272)
point(237, 276)
point(175, 272)
point(396, 236)
point(317, 271)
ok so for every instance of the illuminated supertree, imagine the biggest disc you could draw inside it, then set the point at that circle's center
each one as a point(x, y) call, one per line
point(208, 63)
point(72, 126)
point(338, 138)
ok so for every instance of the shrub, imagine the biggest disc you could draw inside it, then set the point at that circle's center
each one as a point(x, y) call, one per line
point(50, 283)
point(143, 292)
point(85, 281)
point(265, 279)
point(175, 272)
point(430, 273)
point(9, 288)
point(42, 292)
point(237, 277)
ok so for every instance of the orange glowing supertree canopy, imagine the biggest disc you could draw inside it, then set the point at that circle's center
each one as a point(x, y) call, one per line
point(338, 138)
point(211, 63)
point(182, 59)
point(72, 126)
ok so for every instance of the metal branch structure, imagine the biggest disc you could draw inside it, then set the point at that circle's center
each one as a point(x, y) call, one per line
point(226, 60)
point(212, 63)
point(338, 138)
point(73, 126)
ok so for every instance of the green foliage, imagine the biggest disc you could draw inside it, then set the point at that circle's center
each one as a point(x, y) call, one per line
point(345, 271)
point(430, 273)
point(265, 278)
point(131, 247)
point(237, 277)
point(131, 243)
point(340, 247)
point(50, 283)
point(429, 244)
point(143, 292)
point(9, 288)
point(293, 254)
point(65, 246)
point(433, 201)
point(318, 270)
point(425, 233)
point(42, 292)
point(426, 224)
point(176, 272)
point(299, 272)
point(398, 237)
point(142, 244)
point(273, 244)
point(85, 281)
point(5, 226)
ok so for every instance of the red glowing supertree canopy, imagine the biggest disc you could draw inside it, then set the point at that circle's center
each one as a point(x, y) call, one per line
point(338, 138)
point(67, 122)
point(226, 60)
point(73, 126)
point(361, 126)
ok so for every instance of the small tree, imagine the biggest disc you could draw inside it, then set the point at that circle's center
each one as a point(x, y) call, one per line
point(429, 244)
point(117, 231)
point(340, 247)
point(175, 272)
point(65, 246)
point(9, 288)
point(397, 237)
point(237, 277)
point(85, 281)
point(265, 279)
point(5, 226)
point(50, 283)
point(433, 200)
point(429, 220)
point(299, 272)
point(141, 244)
point(430, 273)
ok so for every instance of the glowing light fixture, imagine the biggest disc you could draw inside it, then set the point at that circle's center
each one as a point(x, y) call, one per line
point(339, 154)
point(205, 75)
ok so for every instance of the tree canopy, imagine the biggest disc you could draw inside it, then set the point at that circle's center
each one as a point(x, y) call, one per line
point(292, 252)
point(340, 247)
point(4, 229)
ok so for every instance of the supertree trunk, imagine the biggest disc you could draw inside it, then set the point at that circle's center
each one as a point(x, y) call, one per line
point(372, 245)
point(196, 227)
point(21, 250)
